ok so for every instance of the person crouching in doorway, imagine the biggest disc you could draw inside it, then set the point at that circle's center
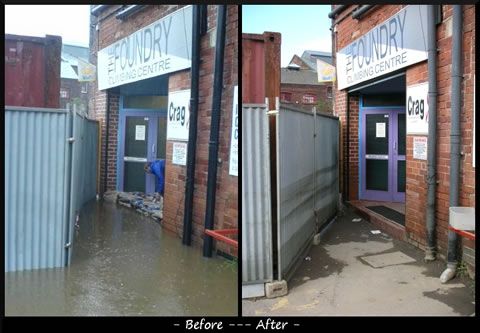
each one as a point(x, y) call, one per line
point(157, 168)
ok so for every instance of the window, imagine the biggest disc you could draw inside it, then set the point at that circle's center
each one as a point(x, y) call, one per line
point(64, 93)
point(285, 97)
point(308, 99)
point(329, 92)
point(84, 88)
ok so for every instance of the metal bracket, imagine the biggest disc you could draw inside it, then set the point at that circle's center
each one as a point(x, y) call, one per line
point(68, 245)
point(71, 140)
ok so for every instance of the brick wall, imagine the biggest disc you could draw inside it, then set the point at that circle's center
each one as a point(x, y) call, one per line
point(226, 210)
point(298, 61)
point(299, 90)
point(226, 207)
point(416, 172)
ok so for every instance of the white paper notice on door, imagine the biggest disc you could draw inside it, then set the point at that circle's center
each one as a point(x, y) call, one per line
point(380, 130)
point(140, 132)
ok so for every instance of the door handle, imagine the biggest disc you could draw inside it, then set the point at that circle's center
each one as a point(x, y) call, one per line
point(153, 150)
point(395, 147)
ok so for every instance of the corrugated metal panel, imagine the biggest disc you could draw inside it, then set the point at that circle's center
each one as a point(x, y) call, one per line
point(327, 167)
point(36, 185)
point(295, 182)
point(84, 168)
point(47, 180)
point(257, 264)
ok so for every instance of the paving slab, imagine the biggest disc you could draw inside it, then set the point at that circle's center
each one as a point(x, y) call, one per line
point(388, 259)
point(337, 281)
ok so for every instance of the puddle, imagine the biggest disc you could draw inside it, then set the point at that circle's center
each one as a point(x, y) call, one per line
point(124, 264)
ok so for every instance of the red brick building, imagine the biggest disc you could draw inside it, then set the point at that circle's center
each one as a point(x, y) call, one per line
point(143, 55)
point(384, 99)
point(299, 83)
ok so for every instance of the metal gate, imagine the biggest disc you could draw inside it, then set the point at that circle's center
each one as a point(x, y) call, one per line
point(307, 179)
point(50, 172)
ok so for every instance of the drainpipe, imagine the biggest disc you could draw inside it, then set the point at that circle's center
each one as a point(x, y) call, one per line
point(432, 133)
point(347, 178)
point(192, 130)
point(215, 128)
point(106, 142)
point(337, 11)
point(358, 14)
point(449, 273)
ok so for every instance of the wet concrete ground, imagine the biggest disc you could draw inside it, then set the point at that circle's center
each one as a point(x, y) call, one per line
point(124, 264)
point(338, 281)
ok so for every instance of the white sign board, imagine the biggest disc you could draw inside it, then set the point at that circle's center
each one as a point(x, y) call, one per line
point(179, 154)
point(234, 139)
point(160, 48)
point(140, 132)
point(420, 148)
point(399, 42)
point(178, 115)
point(417, 109)
point(380, 130)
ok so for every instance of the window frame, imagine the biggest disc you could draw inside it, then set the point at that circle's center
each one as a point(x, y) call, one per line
point(308, 96)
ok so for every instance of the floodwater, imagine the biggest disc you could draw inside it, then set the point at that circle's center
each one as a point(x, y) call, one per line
point(125, 264)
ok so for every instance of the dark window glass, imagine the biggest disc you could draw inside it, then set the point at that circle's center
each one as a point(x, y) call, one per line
point(137, 128)
point(329, 92)
point(402, 134)
point(134, 180)
point(377, 175)
point(162, 137)
point(145, 102)
point(384, 100)
point(285, 97)
point(401, 178)
point(377, 124)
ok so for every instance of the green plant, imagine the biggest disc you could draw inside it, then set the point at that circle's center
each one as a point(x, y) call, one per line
point(462, 269)
point(324, 106)
point(231, 264)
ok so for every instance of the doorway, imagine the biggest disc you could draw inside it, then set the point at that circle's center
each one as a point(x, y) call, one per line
point(142, 139)
point(382, 154)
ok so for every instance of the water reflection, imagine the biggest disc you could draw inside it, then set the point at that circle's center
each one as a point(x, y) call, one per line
point(124, 264)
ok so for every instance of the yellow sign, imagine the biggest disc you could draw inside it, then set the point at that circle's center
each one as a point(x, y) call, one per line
point(326, 72)
point(86, 71)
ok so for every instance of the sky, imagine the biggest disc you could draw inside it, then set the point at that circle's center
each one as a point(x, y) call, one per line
point(303, 27)
point(69, 21)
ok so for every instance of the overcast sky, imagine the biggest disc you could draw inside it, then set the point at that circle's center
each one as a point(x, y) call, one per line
point(69, 21)
point(303, 27)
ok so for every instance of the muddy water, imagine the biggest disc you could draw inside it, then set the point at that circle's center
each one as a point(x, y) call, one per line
point(125, 264)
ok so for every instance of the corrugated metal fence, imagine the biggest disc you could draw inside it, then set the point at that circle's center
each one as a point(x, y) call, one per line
point(47, 179)
point(307, 165)
point(257, 262)
point(307, 179)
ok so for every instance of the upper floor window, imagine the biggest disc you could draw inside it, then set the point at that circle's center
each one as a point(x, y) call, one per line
point(64, 93)
point(84, 88)
point(285, 97)
point(308, 99)
point(329, 92)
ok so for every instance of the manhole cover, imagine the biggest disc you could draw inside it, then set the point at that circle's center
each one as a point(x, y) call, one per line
point(388, 259)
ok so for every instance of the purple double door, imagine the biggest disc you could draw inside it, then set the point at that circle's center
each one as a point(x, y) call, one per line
point(382, 154)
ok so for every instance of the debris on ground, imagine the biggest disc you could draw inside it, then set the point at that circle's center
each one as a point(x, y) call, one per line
point(308, 258)
point(147, 205)
point(376, 232)
point(356, 220)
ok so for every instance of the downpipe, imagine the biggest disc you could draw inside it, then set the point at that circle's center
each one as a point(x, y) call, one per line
point(430, 248)
point(192, 131)
point(215, 128)
point(455, 133)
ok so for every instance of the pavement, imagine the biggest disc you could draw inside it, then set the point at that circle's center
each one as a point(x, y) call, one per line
point(354, 272)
